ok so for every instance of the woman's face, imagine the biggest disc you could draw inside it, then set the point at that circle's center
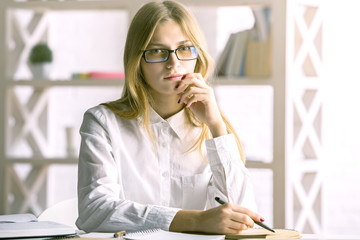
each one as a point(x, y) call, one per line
point(163, 77)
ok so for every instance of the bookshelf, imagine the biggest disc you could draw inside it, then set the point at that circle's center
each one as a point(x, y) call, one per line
point(296, 81)
point(67, 82)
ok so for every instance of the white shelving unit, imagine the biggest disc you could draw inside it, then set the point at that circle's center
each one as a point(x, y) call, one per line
point(296, 81)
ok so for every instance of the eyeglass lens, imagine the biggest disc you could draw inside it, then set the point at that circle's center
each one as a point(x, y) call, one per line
point(162, 55)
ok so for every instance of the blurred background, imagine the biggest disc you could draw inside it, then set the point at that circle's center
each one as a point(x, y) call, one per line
point(85, 42)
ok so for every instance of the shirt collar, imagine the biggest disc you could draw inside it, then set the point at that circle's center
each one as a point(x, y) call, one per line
point(178, 122)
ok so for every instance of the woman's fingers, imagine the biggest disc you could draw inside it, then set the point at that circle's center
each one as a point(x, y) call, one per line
point(193, 89)
point(194, 79)
point(193, 99)
point(191, 95)
point(239, 215)
point(239, 227)
point(252, 215)
point(241, 218)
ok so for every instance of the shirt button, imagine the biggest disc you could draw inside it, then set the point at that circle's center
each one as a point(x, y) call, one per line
point(165, 174)
point(165, 130)
point(164, 203)
point(164, 144)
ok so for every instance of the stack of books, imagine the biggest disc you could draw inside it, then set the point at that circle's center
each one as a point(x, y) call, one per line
point(98, 75)
point(248, 53)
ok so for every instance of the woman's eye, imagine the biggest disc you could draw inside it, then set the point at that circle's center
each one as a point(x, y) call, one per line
point(185, 48)
point(156, 51)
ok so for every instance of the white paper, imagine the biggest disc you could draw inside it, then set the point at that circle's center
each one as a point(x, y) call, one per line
point(159, 234)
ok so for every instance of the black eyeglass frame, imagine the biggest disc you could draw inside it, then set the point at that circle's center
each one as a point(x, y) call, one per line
point(168, 55)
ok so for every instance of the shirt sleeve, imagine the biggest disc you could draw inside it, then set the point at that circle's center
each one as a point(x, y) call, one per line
point(231, 179)
point(102, 207)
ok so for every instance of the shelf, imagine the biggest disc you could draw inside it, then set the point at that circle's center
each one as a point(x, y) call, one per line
point(43, 161)
point(111, 4)
point(225, 3)
point(70, 5)
point(67, 83)
point(258, 164)
point(242, 81)
point(120, 82)
point(74, 160)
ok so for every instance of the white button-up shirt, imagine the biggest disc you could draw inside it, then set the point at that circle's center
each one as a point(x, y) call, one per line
point(125, 182)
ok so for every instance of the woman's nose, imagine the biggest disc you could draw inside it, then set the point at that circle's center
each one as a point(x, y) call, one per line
point(172, 60)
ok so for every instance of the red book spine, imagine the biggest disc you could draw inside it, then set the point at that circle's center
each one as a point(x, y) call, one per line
point(107, 75)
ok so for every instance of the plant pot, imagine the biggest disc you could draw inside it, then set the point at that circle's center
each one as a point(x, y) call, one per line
point(40, 70)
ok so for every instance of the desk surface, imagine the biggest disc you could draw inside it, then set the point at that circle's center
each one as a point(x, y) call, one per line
point(329, 237)
point(304, 236)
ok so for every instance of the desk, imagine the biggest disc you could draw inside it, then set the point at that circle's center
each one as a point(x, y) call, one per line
point(329, 237)
point(304, 236)
point(106, 236)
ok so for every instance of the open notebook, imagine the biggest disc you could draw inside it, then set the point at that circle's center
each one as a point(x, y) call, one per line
point(251, 233)
point(263, 233)
point(27, 225)
point(159, 234)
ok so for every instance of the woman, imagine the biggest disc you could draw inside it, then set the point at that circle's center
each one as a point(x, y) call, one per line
point(158, 156)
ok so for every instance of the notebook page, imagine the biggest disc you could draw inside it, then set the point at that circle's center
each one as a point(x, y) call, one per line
point(159, 234)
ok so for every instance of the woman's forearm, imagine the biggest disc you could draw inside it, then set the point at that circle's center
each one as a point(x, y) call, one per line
point(186, 221)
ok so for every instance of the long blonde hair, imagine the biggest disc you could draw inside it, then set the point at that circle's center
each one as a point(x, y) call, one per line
point(136, 96)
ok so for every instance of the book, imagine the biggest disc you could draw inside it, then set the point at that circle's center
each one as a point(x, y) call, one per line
point(107, 75)
point(14, 218)
point(262, 22)
point(98, 75)
point(232, 60)
point(27, 225)
point(238, 61)
point(224, 57)
point(160, 234)
point(258, 61)
point(263, 233)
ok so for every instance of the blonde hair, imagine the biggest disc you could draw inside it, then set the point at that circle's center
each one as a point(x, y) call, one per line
point(136, 96)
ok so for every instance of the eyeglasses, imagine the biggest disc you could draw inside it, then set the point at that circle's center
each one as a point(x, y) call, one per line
point(184, 53)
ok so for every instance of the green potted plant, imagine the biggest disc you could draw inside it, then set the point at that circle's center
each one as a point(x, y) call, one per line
point(40, 59)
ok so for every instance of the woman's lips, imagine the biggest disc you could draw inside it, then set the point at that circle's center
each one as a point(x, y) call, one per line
point(174, 77)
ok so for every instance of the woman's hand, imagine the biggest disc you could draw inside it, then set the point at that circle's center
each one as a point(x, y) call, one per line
point(225, 219)
point(228, 218)
point(200, 98)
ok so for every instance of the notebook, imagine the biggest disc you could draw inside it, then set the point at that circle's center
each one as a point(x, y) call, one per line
point(27, 225)
point(160, 234)
point(263, 233)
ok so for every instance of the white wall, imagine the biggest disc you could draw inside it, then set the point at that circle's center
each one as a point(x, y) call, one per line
point(83, 41)
point(342, 117)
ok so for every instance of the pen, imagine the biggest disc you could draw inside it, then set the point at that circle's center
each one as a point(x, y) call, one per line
point(219, 200)
point(119, 234)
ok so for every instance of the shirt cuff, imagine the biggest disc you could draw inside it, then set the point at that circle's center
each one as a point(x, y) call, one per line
point(222, 149)
point(161, 217)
